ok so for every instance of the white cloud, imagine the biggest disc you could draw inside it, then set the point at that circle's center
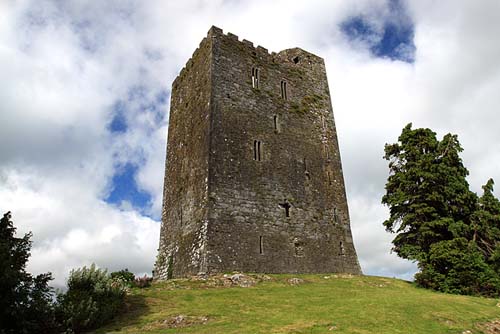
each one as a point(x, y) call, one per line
point(65, 65)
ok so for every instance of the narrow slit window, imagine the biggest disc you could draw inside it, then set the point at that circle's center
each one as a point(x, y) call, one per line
point(342, 249)
point(335, 216)
point(284, 94)
point(255, 150)
point(329, 174)
point(276, 125)
point(257, 147)
point(255, 77)
point(261, 245)
point(306, 172)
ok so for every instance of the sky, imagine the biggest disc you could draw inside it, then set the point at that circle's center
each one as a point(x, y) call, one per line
point(84, 101)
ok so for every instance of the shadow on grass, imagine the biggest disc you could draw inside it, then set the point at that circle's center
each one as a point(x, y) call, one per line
point(135, 308)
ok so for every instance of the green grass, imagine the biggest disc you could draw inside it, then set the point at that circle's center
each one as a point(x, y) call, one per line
point(321, 304)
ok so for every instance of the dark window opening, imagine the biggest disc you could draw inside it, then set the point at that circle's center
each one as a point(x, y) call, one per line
point(261, 245)
point(284, 93)
point(285, 205)
point(329, 177)
point(255, 77)
point(296, 59)
point(276, 124)
point(299, 247)
point(306, 172)
point(335, 216)
point(257, 150)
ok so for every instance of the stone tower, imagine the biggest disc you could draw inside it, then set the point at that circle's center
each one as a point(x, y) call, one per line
point(253, 178)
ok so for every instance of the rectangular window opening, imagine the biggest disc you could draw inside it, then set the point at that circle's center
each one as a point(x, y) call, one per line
point(261, 245)
point(299, 248)
point(306, 172)
point(335, 216)
point(284, 93)
point(257, 150)
point(255, 77)
point(276, 125)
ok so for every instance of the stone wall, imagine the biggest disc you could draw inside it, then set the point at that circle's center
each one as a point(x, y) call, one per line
point(185, 211)
point(272, 149)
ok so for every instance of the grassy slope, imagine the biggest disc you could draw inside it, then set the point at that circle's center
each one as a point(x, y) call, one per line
point(336, 304)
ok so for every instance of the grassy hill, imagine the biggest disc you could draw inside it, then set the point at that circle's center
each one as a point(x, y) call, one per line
point(301, 304)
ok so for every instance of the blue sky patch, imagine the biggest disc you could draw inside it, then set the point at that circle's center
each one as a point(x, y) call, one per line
point(392, 38)
point(118, 123)
point(125, 188)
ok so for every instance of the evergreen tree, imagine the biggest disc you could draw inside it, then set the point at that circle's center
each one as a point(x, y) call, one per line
point(25, 301)
point(486, 227)
point(458, 266)
point(427, 192)
point(452, 234)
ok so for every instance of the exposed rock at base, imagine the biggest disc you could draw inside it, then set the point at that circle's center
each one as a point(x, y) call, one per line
point(295, 281)
point(181, 320)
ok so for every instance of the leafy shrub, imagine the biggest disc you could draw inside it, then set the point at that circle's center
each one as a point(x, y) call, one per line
point(124, 276)
point(92, 299)
point(143, 282)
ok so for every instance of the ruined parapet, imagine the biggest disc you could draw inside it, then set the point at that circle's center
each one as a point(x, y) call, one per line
point(253, 177)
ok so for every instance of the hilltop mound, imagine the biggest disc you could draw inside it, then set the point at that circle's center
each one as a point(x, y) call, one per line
point(256, 303)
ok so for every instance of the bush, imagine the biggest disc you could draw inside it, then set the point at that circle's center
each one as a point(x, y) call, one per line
point(124, 276)
point(143, 282)
point(93, 298)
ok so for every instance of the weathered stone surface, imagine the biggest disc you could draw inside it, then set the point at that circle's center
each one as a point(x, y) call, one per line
point(253, 178)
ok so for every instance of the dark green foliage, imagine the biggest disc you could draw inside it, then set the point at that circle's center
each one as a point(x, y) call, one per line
point(452, 234)
point(427, 193)
point(124, 276)
point(458, 266)
point(25, 301)
point(92, 299)
point(486, 227)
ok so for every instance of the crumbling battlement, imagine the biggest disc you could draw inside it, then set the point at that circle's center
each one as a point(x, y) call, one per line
point(283, 56)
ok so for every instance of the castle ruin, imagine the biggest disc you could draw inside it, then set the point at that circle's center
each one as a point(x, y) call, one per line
point(253, 178)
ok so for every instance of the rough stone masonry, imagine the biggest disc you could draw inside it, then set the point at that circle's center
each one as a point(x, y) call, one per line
point(253, 177)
